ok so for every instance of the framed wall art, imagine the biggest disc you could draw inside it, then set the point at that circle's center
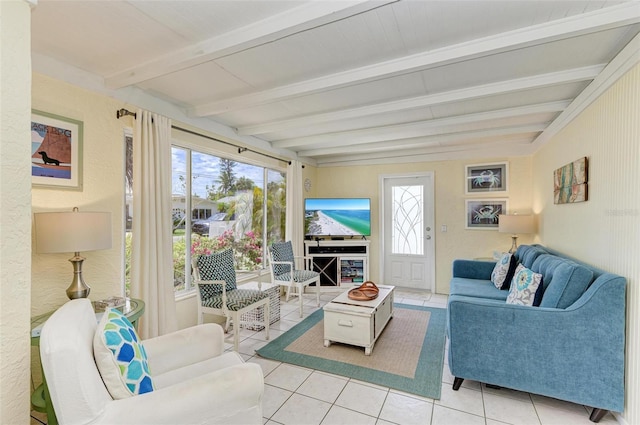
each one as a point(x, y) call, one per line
point(56, 151)
point(486, 178)
point(482, 214)
point(570, 182)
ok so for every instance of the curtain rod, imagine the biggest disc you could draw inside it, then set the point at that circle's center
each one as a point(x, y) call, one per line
point(123, 112)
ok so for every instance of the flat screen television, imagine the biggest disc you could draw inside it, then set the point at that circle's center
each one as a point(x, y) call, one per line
point(337, 217)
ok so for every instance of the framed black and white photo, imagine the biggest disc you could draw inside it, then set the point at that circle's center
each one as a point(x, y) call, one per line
point(486, 178)
point(482, 214)
point(56, 151)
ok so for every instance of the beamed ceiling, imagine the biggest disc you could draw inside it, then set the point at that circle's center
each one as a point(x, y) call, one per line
point(354, 82)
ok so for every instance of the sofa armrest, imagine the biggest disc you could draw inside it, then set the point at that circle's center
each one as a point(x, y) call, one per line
point(473, 269)
point(235, 392)
point(184, 347)
point(574, 354)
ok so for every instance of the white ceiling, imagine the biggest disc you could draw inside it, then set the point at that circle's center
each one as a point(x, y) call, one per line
point(345, 82)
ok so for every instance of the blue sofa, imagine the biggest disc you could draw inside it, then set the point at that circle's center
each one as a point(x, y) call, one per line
point(571, 347)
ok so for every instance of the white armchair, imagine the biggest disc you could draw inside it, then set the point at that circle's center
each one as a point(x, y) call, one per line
point(195, 381)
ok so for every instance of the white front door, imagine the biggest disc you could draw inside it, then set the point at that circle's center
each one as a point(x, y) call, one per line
point(407, 227)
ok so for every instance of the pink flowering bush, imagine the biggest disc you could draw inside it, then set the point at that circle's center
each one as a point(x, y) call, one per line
point(247, 252)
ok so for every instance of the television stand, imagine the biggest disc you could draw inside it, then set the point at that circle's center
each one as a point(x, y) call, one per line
point(341, 263)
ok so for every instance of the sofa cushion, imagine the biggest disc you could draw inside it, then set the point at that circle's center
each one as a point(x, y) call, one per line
point(564, 280)
point(526, 287)
point(527, 254)
point(503, 271)
point(121, 357)
point(478, 288)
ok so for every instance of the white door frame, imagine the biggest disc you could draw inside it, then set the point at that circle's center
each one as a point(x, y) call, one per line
point(429, 220)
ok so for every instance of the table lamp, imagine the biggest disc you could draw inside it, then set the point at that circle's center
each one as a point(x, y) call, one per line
point(73, 231)
point(515, 224)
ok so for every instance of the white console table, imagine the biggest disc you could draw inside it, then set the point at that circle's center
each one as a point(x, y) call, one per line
point(341, 263)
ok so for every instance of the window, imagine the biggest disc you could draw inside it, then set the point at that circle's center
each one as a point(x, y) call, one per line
point(128, 209)
point(231, 205)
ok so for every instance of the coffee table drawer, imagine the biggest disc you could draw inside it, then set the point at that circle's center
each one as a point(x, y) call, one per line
point(348, 328)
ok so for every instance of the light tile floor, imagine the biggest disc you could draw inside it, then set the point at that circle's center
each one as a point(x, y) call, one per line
point(299, 396)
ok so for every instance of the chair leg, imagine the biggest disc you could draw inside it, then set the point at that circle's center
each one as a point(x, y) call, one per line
point(287, 290)
point(226, 325)
point(318, 293)
point(267, 319)
point(236, 325)
point(300, 289)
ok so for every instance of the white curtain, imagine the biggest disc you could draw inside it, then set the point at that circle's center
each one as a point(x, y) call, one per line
point(295, 209)
point(152, 249)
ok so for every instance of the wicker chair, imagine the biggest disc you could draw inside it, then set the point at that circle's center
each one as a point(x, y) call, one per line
point(218, 294)
point(284, 273)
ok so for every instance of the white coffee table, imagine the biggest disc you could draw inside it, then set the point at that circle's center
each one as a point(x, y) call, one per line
point(357, 323)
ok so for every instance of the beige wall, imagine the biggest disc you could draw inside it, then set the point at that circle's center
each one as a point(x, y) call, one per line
point(103, 190)
point(457, 242)
point(15, 219)
point(605, 230)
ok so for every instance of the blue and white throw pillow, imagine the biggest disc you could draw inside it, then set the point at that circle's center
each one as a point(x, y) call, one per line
point(526, 287)
point(121, 357)
point(503, 271)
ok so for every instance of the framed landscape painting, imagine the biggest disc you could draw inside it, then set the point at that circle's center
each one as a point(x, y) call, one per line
point(56, 151)
point(483, 214)
point(485, 178)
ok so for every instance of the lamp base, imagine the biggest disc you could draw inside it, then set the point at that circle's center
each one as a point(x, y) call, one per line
point(514, 244)
point(77, 289)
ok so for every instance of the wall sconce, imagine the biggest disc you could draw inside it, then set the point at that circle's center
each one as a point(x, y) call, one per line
point(515, 224)
point(73, 231)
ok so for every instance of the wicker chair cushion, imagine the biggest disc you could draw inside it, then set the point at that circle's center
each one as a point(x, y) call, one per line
point(299, 275)
point(236, 299)
point(282, 251)
point(216, 266)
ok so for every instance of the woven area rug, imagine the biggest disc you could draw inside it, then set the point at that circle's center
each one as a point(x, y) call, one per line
point(408, 355)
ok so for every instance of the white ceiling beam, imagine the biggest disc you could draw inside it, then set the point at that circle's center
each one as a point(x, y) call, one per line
point(620, 65)
point(415, 129)
point(421, 142)
point(502, 87)
point(435, 153)
point(309, 15)
point(493, 149)
point(573, 26)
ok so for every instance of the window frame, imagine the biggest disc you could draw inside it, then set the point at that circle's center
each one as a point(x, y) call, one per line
point(222, 151)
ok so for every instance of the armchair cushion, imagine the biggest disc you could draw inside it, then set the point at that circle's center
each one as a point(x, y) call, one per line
point(121, 357)
point(282, 251)
point(216, 266)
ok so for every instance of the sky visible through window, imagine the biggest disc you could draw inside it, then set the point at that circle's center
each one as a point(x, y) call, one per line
point(205, 170)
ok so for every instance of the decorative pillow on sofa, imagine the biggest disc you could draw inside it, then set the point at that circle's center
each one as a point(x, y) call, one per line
point(526, 287)
point(120, 357)
point(503, 271)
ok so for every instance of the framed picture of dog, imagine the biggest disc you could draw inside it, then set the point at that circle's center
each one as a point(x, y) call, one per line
point(56, 151)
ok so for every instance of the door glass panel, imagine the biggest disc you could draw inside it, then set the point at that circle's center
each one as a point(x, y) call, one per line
point(407, 220)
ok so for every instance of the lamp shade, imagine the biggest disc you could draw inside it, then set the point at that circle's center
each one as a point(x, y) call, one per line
point(72, 231)
point(516, 224)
